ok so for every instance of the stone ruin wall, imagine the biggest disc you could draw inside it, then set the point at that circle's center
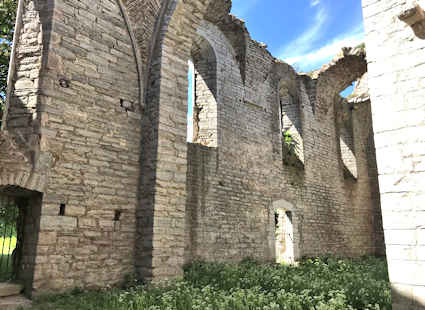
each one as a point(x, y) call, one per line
point(395, 47)
point(87, 154)
point(232, 187)
point(114, 139)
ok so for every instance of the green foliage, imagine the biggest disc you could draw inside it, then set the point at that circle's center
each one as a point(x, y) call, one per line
point(8, 219)
point(7, 24)
point(361, 46)
point(5, 268)
point(290, 143)
point(7, 245)
point(316, 284)
point(291, 150)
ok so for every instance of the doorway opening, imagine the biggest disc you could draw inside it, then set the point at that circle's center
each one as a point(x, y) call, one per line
point(20, 212)
point(10, 239)
point(285, 250)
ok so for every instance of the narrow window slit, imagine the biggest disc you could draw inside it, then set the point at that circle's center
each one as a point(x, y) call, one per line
point(117, 216)
point(62, 209)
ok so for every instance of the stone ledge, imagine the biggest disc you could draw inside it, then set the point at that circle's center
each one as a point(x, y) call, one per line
point(10, 289)
point(14, 302)
point(414, 16)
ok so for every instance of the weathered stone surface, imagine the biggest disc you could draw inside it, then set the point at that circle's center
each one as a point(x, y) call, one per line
point(10, 289)
point(395, 60)
point(85, 154)
point(98, 126)
point(14, 302)
point(235, 184)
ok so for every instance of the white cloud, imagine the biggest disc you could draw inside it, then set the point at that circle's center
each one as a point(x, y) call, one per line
point(241, 7)
point(322, 55)
point(314, 2)
point(304, 43)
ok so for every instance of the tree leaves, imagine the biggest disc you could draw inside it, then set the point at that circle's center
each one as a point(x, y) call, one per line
point(7, 25)
point(8, 217)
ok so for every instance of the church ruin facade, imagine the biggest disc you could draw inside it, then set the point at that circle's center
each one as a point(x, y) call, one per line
point(94, 150)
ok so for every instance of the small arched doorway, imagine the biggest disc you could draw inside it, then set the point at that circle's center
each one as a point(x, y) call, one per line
point(286, 236)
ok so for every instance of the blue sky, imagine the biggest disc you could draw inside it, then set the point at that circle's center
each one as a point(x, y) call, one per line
point(305, 33)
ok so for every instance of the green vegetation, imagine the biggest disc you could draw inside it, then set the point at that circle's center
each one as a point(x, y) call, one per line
point(316, 284)
point(289, 141)
point(5, 267)
point(7, 25)
point(8, 220)
point(7, 245)
point(291, 150)
point(361, 46)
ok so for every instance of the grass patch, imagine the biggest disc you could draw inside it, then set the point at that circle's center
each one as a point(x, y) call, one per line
point(316, 284)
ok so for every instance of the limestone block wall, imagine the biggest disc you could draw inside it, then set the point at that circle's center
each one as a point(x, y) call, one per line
point(396, 78)
point(146, 24)
point(355, 116)
point(103, 144)
point(87, 117)
point(22, 162)
point(346, 140)
point(22, 116)
point(232, 188)
point(164, 156)
point(92, 129)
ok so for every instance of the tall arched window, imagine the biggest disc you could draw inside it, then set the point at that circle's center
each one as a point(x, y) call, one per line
point(202, 115)
point(291, 125)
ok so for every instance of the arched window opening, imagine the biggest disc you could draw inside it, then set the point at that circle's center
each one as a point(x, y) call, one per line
point(348, 91)
point(291, 128)
point(346, 132)
point(202, 111)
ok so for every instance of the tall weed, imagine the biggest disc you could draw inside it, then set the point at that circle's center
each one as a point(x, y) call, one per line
point(316, 284)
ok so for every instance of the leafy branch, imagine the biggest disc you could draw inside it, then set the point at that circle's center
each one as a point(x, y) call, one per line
point(7, 25)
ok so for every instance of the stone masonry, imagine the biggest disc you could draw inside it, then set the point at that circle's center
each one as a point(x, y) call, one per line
point(94, 145)
point(395, 47)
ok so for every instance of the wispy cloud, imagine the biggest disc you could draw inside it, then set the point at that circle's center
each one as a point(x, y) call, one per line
point(316, 58)
point(241, 8)
point(304, 43)
point(314, 2)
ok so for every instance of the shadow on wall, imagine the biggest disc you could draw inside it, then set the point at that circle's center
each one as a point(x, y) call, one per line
point(345, 134)
point(20, 116)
